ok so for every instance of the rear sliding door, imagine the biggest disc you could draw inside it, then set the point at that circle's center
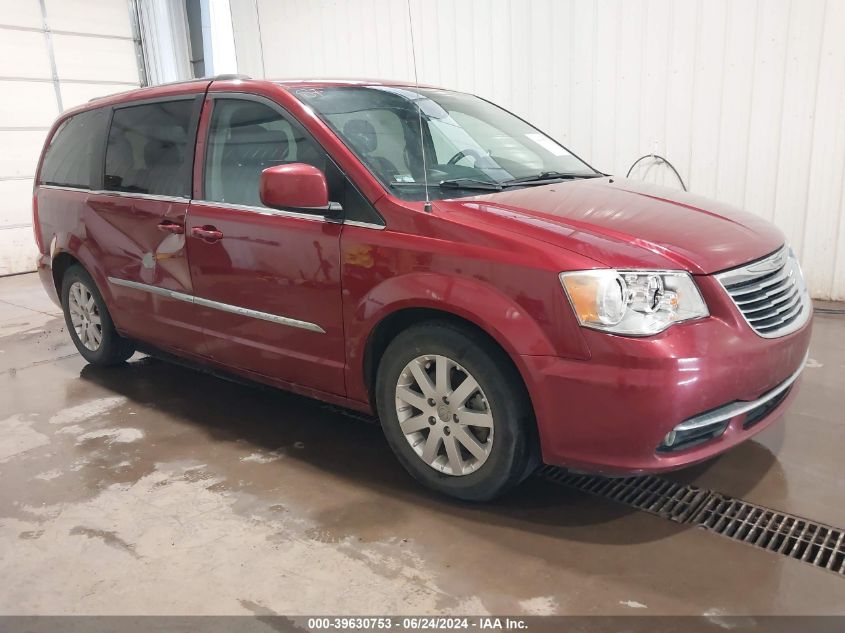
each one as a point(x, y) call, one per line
point(137, 220)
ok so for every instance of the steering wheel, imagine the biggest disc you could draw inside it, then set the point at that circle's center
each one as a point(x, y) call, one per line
point(463, 154)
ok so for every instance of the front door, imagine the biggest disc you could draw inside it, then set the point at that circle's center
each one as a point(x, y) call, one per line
point(267, 281)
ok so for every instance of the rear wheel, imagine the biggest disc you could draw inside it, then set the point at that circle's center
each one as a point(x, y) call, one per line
point(454, 411)
point(89, 322)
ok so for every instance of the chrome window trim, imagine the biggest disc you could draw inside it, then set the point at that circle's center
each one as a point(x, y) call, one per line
point(217, 305)
point(288, 214)
point(365, 225)
point(64, 188)
point(316, 217)
point(734, 409)
point(122, 194)
point(141, 196)
point(781, 259)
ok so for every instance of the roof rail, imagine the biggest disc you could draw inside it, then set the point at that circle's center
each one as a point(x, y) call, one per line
point(224, 77)
point(227, 77)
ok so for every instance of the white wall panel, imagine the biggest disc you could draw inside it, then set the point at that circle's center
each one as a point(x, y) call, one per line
point(74, 94)
point(40, 99)
point(735, 100)
point(21, 149)
point(803, 52)
point(91, 43)
point(21, 13)
point(93, 17)
point(18, 249)
point(745, 97)
point(23, 54)
point(244, 27)
point(825, 202)
point(14, 196)
point(95, 58)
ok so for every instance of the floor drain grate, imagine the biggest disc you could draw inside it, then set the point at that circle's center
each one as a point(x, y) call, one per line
point(662, 497)
point(785, 534)
point(810, 542)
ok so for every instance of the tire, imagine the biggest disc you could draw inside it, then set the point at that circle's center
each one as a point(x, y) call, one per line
point(90, 325)
point(509, 452)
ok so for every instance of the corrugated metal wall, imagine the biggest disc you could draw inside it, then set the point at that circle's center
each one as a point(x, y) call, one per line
point(746, 98)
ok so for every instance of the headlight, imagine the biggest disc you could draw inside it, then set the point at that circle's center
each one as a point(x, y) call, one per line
point(633, 302)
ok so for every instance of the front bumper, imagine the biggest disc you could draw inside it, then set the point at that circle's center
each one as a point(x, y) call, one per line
point(611, 414)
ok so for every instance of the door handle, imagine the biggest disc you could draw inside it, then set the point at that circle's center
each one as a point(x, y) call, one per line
point(208, 233)
point(171, 227)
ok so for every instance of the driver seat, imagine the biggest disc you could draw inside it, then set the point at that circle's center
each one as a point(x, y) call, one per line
point(363, 137)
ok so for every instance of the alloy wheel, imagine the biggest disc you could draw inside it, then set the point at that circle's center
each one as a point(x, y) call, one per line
point(444, 415)
point(85, 316)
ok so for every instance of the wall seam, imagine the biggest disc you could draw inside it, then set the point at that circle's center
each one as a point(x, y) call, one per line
point(716, 190)
point(751, 104)
point(51, 54)
point(692, 91)
point(773, 211)
point(667, 91)
point(806, 210)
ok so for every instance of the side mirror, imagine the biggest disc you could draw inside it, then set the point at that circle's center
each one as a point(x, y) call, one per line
point(297, 187)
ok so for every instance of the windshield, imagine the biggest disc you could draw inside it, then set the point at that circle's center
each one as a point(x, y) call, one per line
point(470, 144)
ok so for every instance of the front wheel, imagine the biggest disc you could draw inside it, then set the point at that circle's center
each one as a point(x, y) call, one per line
point(89, 322)
point(455, 412)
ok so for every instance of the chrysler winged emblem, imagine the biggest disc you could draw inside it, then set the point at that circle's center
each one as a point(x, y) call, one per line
point(771, 263)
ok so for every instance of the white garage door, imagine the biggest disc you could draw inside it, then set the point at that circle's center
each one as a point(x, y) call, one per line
point(54, 54)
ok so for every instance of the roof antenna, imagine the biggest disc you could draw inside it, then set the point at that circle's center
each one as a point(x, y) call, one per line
point(427, 207)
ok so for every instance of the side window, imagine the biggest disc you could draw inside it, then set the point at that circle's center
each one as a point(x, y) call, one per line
point(67, 162)
point(245, 138)
point(149, 149)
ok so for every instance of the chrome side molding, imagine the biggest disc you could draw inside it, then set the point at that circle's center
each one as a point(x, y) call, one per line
point(217, 305)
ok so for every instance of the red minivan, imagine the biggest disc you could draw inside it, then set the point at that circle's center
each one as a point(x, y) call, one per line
point(423, 255)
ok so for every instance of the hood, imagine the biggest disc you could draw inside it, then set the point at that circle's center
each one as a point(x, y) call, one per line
point(626, 223)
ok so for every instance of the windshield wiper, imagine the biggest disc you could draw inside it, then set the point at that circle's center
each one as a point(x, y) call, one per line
point(454, 183)
point(469, 183)
point(547, 176)
point(489, 185)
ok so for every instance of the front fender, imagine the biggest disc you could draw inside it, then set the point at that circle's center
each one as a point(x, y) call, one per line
point(505, 319)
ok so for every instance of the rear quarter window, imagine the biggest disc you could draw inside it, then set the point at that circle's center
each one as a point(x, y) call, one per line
point(150, 149)
point(67, 162)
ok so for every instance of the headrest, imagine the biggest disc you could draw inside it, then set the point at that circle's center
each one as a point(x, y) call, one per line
point(119, 153)
point(254, 143)
point(361, 134)
point(159, 152)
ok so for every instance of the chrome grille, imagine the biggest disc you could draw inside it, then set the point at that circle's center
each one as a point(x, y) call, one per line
point(770, 293)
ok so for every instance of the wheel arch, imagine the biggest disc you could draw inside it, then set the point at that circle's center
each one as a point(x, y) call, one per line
point(400, 301)
point(398, 321)
point(61, 262)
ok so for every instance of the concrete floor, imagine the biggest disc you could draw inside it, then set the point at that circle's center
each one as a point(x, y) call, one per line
point(153, 488)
